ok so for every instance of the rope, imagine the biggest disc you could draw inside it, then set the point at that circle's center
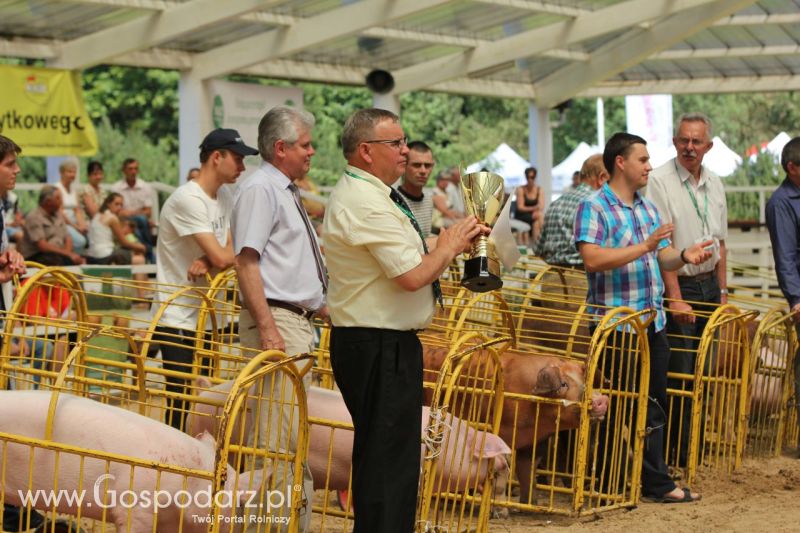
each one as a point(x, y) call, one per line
point(434, 433)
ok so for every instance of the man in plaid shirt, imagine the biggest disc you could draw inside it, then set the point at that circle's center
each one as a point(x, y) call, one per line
point(622, 242)
point(556, 244)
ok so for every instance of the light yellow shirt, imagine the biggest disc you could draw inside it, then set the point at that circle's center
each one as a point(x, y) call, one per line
point(667, 189)
point(368, 241)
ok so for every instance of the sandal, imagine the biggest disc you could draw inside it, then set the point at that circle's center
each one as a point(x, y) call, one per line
point(687, 498)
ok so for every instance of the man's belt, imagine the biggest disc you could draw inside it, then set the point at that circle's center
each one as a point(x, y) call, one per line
point(296, 309)
point(699, 277)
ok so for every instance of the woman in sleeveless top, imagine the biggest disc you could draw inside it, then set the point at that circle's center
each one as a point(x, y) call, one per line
point(529, 207)
point(108, 242)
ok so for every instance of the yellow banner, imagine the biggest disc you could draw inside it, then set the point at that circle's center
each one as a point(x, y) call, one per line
point(42, 110)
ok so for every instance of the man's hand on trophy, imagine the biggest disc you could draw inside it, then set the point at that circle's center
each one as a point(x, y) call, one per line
point(458, 237)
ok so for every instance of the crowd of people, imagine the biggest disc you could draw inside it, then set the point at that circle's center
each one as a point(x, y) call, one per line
point(386, 242)
point(78, 223)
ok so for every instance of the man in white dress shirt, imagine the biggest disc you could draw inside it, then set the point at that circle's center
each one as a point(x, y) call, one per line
point(281, 274)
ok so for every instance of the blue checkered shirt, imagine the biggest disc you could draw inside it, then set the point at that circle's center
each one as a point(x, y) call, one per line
point(604, 220)
point(557, 243)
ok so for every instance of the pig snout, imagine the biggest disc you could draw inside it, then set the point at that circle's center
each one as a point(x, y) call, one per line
point(599, 406)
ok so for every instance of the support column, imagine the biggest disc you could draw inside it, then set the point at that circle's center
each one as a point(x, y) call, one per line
point(194, 122)
point(601, 123)
point(540, 147)
point(389, 102)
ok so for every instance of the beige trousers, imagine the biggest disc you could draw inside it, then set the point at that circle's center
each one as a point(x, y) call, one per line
point(278, 424)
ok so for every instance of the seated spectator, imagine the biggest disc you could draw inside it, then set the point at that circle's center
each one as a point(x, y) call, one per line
point(12, 218)
point(108, 242)
point(93, 193)
point(193, 173)
point(112, 242)
point(444, 215)
point(137, 196)
point(45, 237)
point(70, 210)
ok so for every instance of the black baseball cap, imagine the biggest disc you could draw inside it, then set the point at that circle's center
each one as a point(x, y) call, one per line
point(226, 139)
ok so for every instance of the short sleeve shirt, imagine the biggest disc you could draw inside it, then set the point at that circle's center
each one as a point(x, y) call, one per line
point(696, 211)
point(369, 242)
point(603, 219)
point(267, 220)
point(188, 211)
point(136, 197)
point(41, 226)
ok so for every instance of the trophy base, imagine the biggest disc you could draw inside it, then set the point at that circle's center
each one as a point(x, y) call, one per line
point(478, 275)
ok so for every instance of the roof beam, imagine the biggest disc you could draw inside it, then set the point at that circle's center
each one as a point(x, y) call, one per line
point(739, 51)
point(696, 86)
point(305, 33)
point(150, 30)
point(755, 20)
point(534, 42)
point(456, 40)
point(297, 70)
point(629, 49)
point(539, 7)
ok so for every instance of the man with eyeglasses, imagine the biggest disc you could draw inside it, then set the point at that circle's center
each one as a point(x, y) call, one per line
point(383, 286)
point(418, 170)
point(690, 196)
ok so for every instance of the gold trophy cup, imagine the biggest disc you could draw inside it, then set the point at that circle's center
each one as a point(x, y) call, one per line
point(484, 197)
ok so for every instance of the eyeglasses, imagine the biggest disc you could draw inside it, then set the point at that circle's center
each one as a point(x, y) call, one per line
point(394, 143)
point(684, 141)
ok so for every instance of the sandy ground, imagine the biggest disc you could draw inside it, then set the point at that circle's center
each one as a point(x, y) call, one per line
point(761, 496)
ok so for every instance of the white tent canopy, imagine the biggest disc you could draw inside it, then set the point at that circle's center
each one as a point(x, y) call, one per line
point(506, 162)
point(562, 173)
point(775, 146)
point(721, 160)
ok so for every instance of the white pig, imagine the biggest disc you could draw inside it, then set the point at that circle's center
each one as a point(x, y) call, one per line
point(91, 425)
point(461, 461)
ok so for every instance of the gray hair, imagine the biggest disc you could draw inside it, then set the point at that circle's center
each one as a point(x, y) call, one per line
point(695, 117)
point(69, 162)
point(47, 192)
point(791, 153)
point(360, 126)
point(282, 123)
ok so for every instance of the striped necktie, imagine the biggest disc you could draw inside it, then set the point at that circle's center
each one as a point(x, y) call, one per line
point(401, 203)
point(321, 271)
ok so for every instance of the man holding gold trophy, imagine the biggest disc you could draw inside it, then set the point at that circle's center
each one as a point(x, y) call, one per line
point(383, 285)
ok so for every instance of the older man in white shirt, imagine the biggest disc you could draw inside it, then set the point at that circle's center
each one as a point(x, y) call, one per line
point(281, 274)
point(690, 196)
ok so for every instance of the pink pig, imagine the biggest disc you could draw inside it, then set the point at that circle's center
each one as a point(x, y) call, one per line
point(460, 441)
point(128, 497)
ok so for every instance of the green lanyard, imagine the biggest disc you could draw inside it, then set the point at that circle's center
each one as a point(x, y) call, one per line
point(405, 211)
point(702, 216)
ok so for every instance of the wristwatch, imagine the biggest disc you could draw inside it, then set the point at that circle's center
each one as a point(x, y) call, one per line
point(683, 258)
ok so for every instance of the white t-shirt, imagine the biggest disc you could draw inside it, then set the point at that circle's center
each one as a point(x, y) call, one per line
point(187, 212)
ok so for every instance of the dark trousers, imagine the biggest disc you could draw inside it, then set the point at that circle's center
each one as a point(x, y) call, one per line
point(684, 357)
point(178, 359)
point(655, 477)
point(379, 373)
point(50, 259)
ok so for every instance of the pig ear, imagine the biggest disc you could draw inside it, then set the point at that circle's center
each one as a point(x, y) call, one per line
point(548, 381)
point(207, 439)
point(493, 446)
point(202, 383)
